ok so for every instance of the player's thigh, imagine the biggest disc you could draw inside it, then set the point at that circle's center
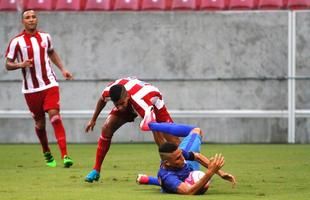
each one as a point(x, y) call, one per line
point(191, 142)
point(51, 101)
point(111, 124)
point(35, 105)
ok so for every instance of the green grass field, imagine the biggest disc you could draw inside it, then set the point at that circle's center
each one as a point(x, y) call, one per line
point(263, 172)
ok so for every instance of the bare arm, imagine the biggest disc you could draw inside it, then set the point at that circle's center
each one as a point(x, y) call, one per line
point(214, 166)
point(91, 124)
point(56, 60)
point(11, 65)
point(203, 160)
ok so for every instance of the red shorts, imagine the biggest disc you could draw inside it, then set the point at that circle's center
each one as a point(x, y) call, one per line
point(129, 115)
point(42, 101)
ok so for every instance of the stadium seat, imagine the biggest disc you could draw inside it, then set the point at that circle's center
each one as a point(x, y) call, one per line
point(68, 5)
point(270, 4)
point(98, 4)
point(40, 4)
point(155, 5)
point(213, 4)
point(184, 4)
point(127, 5)
point(298, 4)
point(242, 4)
point(11, 5)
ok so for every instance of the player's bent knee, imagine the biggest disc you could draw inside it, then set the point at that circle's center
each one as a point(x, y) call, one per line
point(40, 125)
point(197, 131)
point(55, 119)
point(106, 132)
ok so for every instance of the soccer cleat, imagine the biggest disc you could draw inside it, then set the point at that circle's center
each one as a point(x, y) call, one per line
point(68, 162)
point(142, 179)
point(92, 176)
point(149, 116)
point(50, 161)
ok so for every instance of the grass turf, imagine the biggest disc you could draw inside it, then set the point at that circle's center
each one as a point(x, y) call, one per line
point(263, 172)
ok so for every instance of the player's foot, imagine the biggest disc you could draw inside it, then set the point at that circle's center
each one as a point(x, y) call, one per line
point(149, 117)
point(50, 161)
point(92, 176)
point(142, 179)
point(68, 162)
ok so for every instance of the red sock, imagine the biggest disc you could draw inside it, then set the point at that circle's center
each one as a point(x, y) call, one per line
point(43, 139)
point(60, 134)
point(102, 149)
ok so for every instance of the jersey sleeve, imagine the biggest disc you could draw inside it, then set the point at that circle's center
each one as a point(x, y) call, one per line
point(105, 95)
point(170, 183)
point(12, 49)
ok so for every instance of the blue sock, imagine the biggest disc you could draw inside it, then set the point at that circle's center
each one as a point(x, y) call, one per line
point(179, 130)
point(153, 181)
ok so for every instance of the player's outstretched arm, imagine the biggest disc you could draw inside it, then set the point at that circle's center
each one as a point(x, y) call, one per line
point(215, 164)
point(99, 106)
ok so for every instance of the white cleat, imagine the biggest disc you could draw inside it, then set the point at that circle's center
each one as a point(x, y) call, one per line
point(149, 117)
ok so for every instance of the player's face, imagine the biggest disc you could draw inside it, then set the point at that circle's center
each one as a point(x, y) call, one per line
point(122, 104)
point(176, 159)
point(30, 20)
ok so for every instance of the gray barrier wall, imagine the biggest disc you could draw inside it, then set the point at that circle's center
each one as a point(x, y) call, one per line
point(199, 61)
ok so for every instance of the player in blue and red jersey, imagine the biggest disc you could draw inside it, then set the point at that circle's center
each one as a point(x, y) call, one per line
point(178, 161)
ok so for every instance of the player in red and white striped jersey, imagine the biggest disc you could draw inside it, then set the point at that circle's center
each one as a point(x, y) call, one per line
point(31, 51)
point(131, 97)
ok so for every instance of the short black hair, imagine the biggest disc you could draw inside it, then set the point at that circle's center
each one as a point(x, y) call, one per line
point(26, 10)
point(167, 147)
point(116, 92)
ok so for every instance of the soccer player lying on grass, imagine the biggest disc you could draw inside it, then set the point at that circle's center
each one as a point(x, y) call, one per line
point(177, 162)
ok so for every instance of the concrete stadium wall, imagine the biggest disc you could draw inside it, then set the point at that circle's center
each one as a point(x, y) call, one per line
point(199, 61)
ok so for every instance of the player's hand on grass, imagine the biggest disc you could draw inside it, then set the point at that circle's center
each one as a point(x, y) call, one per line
point(230, 178)
point(216, 163)
point(90, 126)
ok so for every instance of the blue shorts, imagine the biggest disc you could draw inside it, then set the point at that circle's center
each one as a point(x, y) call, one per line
point(192, 143)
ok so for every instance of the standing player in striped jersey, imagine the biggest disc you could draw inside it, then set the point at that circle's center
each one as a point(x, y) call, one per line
point(33, 51)
point(131, 97)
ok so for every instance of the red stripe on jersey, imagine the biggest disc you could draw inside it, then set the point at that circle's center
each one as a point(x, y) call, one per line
point(8, 48)
point(105, 94)
point(30, 56)
point(42, 61)
point(25, 81)
point(135, 89)
point(147, 98)
point(17, 49)
point(48, 43)
point(123, 82)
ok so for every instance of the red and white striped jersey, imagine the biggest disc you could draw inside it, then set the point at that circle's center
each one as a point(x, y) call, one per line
point(25, 46)
point(142, 94)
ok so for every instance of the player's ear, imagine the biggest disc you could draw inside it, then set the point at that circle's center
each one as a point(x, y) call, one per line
point(166, 163)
